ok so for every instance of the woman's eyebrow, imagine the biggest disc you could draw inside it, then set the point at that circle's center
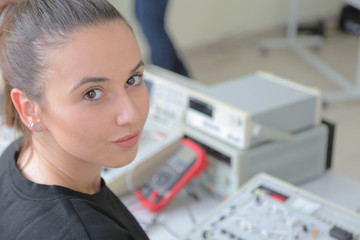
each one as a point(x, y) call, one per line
point(141, 63)
point(86, 80)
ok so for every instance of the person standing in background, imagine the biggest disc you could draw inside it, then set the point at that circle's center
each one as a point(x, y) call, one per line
point(151, 16)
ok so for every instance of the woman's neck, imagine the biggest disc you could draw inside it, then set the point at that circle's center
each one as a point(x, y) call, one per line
point(45, 166)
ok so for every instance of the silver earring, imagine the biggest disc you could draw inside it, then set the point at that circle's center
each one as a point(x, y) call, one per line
point(31, 124)
point(38, 127)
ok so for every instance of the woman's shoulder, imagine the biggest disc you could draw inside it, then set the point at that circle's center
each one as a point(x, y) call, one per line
point(61, 219)
point(101, 223)
point(98, 222)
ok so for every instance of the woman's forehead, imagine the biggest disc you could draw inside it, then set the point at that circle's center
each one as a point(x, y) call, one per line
point(100, 49)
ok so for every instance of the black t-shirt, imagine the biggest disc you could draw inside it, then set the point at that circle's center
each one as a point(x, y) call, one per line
point(34, 211)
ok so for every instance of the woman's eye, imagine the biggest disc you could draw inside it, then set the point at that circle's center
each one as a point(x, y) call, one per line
point(134, 80)
point(93, 94)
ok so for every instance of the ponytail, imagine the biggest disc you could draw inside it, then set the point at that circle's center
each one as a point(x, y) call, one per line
point(11, 115)
point(9, 108)
point(5, 6)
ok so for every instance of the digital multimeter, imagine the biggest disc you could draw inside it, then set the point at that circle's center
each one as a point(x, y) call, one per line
point(187, 162)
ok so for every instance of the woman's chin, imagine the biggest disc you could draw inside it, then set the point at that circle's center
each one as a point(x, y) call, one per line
point(122, 161)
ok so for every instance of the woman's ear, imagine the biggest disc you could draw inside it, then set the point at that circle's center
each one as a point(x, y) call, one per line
point(28, 110)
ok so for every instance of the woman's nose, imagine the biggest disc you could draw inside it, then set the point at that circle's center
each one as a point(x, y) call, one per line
point(127, 112)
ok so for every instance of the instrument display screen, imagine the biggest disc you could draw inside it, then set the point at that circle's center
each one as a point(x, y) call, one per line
point(200, 106)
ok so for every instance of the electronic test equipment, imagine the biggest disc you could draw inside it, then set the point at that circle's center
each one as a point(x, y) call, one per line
point(256, 123)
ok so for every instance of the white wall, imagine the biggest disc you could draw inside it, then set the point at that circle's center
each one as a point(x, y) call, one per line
point(192, 23)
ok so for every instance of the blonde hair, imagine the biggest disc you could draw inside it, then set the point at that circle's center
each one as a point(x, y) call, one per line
point(28, 30)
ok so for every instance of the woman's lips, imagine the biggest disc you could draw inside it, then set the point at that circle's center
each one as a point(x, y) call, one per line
point(128, 141)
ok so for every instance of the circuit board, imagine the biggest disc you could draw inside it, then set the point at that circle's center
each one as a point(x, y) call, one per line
point(267, 208)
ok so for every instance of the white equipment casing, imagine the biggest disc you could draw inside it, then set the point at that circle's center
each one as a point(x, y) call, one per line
point(253, 109)
point(169, 94)
point(295, 161)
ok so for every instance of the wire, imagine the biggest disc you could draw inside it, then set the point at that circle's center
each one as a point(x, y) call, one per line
point(128, 179)
point(170, 231)
point(191, 215)
point(136, 208)
point(358, 210)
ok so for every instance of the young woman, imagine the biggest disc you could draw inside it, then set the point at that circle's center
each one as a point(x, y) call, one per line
point(73, 82)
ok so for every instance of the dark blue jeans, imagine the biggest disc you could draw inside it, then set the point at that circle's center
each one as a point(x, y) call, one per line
point(151, 16)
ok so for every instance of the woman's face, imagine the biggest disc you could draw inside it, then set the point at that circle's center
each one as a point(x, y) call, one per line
point(96, 101)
